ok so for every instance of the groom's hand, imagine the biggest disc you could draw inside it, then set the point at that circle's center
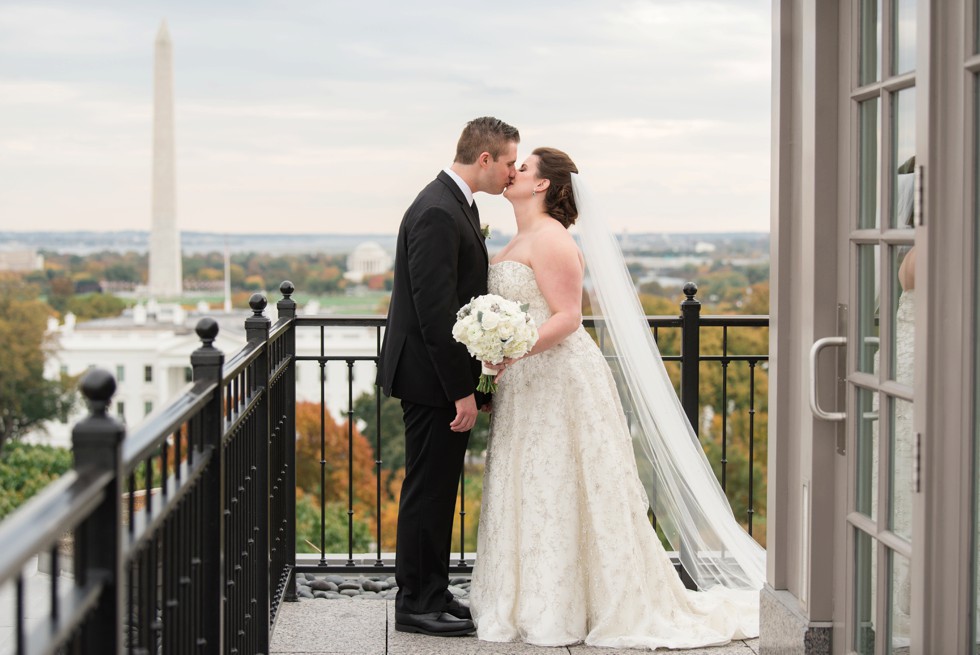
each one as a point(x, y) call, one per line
point(465, 414)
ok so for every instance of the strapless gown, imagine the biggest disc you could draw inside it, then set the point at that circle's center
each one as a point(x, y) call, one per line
point(565, 551)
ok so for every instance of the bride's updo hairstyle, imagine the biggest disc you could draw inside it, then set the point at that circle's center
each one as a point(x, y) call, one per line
point(557, 167)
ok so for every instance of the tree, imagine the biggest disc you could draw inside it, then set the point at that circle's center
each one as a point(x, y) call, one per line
point(61, 289)
point(338, 444)
point(27, 398)
point(122, 272)
point(392, 428)
point(95, 305)
point(26, 469)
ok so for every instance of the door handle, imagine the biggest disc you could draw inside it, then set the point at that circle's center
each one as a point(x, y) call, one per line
point(819, 345)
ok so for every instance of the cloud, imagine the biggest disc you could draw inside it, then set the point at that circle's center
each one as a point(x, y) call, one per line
point(49, 29)
point(30, 92)
point(308, 116)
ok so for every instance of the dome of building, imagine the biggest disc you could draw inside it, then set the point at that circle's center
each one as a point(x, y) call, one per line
point(368, 259)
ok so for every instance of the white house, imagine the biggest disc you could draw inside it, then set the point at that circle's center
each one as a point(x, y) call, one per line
point(148, 351)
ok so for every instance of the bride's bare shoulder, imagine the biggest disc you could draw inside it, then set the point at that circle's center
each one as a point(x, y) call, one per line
point(554, 245)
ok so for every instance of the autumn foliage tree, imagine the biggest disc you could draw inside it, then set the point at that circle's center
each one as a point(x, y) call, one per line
point(341, 449)
point(27, 398)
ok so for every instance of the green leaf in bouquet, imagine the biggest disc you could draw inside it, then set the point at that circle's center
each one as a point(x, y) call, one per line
point(526, 306)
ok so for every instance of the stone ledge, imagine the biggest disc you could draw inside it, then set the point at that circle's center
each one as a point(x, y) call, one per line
point(786, 630)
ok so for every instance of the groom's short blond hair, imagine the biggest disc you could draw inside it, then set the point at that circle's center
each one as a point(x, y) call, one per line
point(485, 134)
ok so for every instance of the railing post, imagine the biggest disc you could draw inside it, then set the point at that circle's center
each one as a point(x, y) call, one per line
point(287, 309)
point(690, 353)
point(97, 446)
point(257, 329)
point(207, 363)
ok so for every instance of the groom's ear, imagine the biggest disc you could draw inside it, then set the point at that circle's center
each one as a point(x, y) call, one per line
point(485, 159)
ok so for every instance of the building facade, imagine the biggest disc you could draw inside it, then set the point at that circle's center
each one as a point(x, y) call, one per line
point(148, 351)
point(873, 442)
point(366, 260)
point(20, 259)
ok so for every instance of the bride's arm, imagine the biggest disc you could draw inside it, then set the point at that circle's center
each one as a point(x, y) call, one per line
point(558, 269)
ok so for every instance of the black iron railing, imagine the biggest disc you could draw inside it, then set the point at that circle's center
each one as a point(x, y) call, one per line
point(181, 536)
point(688, 357)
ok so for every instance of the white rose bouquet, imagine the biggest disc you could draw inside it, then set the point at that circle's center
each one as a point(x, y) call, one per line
point(492, 329)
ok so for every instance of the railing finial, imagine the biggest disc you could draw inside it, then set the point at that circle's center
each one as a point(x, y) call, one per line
point(286, 306)
point(258, 303)
point(257, 325)
point(207, 360)
point(98, 386)
point(690, 290)
point(207, 331)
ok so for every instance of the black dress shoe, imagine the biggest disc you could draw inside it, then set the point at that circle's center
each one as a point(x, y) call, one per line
point(457, 609)
point(434, 624)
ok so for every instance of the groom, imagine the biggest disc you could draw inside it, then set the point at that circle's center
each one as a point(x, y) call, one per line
point(440, 264)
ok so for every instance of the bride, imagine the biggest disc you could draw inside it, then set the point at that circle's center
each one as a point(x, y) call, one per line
point(566, 552)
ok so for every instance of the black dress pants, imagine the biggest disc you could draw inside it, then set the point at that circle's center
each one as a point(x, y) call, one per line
point(433, 463)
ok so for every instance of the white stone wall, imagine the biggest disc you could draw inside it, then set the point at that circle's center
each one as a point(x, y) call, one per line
point(167, 348)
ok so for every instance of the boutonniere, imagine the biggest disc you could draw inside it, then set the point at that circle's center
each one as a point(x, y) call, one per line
point(485, 230)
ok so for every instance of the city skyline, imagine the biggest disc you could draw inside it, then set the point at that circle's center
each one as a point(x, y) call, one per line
point(305, 118)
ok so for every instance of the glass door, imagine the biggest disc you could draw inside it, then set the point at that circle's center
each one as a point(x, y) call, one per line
point(880, 254)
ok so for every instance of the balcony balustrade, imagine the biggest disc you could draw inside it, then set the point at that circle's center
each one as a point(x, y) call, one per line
point(181, 536)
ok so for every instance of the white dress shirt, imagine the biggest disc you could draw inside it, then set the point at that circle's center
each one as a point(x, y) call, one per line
point(463, 186)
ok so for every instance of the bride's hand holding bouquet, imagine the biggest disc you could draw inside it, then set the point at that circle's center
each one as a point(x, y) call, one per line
point(494, 329)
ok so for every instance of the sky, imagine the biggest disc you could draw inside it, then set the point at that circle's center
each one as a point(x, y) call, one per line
point(313, 116)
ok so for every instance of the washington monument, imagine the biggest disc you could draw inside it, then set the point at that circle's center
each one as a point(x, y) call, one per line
point(165, 269)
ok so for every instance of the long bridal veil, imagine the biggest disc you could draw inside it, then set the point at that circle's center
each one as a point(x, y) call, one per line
point(685, 495)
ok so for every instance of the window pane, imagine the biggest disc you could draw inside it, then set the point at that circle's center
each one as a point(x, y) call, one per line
point(866, 484)
point(903, 157)
point(901, 332)
point(869, 158)
point(900, 598)
point(867, 310)
point(870, 41)
point(865, 580)
point(903, 36)
point(901, 468)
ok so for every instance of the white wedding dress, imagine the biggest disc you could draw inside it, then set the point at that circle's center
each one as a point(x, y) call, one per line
point(565, 551)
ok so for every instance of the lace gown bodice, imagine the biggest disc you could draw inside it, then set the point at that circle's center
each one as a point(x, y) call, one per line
point(566, 553)
point(515, 281)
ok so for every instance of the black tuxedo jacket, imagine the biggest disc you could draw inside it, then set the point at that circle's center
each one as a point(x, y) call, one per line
point(440, 265)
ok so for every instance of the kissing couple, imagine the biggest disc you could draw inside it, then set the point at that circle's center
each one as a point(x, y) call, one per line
point(565, 551)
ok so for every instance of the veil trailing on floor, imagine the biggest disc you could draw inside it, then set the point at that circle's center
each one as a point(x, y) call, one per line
point(690, 506)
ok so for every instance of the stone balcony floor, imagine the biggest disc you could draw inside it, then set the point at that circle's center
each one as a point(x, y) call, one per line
point(356, 627)
point(348, 627)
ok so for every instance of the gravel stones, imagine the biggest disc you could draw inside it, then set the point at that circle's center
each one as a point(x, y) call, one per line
point(336, 587)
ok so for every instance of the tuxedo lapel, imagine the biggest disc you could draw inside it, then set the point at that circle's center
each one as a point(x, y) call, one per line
point(472, 215)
